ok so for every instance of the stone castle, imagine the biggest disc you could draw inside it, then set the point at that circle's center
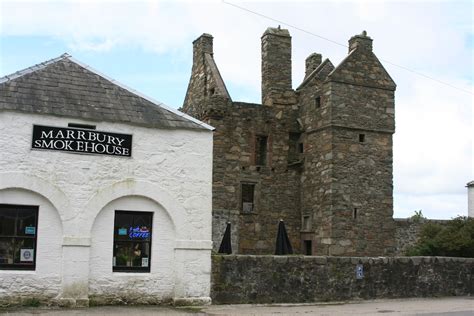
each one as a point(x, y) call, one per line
point(318, 156)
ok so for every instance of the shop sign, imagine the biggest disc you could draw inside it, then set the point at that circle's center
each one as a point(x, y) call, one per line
point(83, 141)
point(139, 232)
point(359, 272)
point(30, 230)
point(26, 255)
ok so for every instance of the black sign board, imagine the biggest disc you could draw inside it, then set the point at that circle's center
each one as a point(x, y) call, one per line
point(84, 141)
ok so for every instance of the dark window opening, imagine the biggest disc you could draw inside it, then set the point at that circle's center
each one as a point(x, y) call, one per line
point(294, 147)
point(361, 138)
point(261, 150)
point(247, 198)
point(132, 241)
point(318, 102)
point(354, 213)
point(18, 231)
point(308, 247)
point(212, 91)
point(300, 148)
point(84, 126)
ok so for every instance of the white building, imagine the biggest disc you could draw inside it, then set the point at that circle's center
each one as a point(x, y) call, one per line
point(105, 195)
point(470, 199)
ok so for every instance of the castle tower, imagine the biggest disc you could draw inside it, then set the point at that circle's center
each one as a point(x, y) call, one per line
point(347, 184)
point(276, 67)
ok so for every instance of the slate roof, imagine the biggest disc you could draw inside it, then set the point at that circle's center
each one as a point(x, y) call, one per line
point(65, 87)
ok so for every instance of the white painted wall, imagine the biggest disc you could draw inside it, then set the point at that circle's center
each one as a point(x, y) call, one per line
point(170, 172)
point(470, 199)
point(46, 279)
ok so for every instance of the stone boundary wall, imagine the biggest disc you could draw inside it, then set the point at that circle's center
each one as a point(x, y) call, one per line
point(407, 230)
point(245, 279)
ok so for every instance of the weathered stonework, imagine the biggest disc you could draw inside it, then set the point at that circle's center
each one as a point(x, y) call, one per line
point(303, 279)
point(407, 232)
point(328, 168)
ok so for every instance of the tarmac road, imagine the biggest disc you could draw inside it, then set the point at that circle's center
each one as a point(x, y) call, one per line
point(452, 306)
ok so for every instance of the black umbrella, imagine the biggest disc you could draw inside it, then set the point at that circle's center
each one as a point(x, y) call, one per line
point(226, 245)
point(283, 245)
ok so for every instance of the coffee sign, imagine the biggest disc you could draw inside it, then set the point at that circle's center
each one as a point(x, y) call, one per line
point(85, 141)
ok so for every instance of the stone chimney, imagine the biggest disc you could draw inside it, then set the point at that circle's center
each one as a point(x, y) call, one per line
point(203, 44)
point(312, 62)
point(360, 41)
point(470, 199)
point(276, 62)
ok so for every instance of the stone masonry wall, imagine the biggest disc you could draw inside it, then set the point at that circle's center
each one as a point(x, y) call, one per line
point(407, 230)
point(304, 279)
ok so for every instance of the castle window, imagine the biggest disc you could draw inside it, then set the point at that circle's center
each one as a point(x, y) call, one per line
point(361, 138)
point(261, 150)
point(300, 148)
point(317, 101)
point(247, 197)
point(354, 213)
point(212, 91)
point(306, 223)
point(308, 247)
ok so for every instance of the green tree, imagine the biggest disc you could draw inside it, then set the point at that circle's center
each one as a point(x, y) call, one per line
point(455, 239)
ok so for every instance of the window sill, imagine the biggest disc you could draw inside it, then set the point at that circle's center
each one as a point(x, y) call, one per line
point(131, 273)
point(11, 271)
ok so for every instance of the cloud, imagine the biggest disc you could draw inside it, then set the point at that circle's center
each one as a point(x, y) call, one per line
point(433, 143)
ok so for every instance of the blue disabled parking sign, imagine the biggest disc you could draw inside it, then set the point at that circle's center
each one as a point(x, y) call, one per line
point(359, 271)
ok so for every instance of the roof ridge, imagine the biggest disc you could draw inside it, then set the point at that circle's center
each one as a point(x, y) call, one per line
point(141, 95)
point(33, 68)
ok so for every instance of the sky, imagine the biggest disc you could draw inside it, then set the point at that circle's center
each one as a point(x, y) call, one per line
point(147, 45)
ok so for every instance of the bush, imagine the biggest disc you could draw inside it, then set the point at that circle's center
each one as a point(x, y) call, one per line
point(455, 239)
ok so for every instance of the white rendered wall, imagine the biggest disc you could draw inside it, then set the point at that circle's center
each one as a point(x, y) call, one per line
point(169, 169)
point(153, 287)
point(470, 201)
point(45, 281)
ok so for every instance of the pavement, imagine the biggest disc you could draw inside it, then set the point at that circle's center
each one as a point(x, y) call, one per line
point(452, 306)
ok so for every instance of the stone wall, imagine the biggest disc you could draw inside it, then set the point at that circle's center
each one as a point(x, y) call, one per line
point(304, 279)
point(407, 230)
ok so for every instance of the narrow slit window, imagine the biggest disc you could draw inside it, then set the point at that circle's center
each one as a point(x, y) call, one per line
point(361, 138)
point(247, 197)
point(301, 148)
point(261, 150)
point(306, 223)
point(354, 213)
point(317, 101)
point(308, 247)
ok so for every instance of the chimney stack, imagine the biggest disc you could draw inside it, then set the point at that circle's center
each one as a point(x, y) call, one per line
point(312, 62)
point(203, 44)
point(360, 41)
point(276, 62)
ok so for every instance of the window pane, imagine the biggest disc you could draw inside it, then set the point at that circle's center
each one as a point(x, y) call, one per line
point(123, 254)
point(6, 250)
point(132, 240)
point(24, 251)
point(26, 223)
point(7, 221)
point(140, 254)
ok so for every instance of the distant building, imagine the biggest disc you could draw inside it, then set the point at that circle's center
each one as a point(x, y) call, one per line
point(318, 157)
point(104, 193)
point(470, 199)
